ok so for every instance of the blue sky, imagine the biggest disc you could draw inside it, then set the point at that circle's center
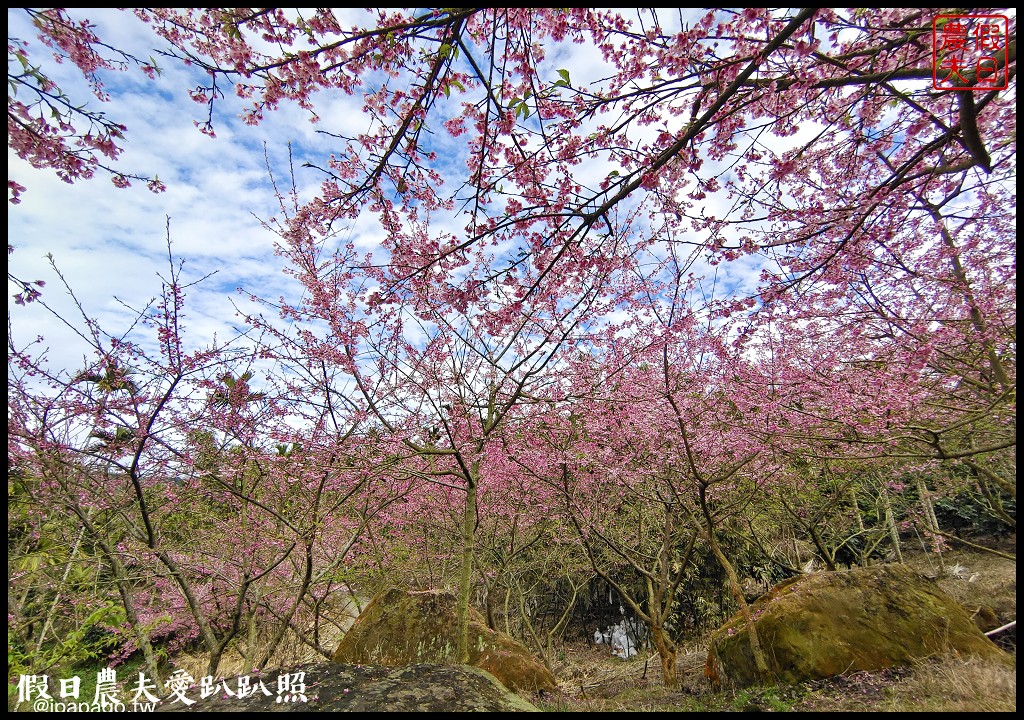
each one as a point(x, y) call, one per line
point(110, 243)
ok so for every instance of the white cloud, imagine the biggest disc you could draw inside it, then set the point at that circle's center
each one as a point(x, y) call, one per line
point(109, 242)
point(112, 242)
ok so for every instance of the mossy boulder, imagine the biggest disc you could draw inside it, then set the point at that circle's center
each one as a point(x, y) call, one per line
point(401, 627)
point(829, 623)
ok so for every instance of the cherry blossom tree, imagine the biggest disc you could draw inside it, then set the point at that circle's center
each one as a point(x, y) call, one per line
point(193, 487)
point(878, 159)
point(533, 213)
point(647, 458)
point(438, 385)
point(710, 89)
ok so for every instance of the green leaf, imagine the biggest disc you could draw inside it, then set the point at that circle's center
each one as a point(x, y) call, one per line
point(564, 74)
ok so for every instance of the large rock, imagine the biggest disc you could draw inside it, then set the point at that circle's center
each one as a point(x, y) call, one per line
point(828, 623)
point(400, 627)
point(330, 687)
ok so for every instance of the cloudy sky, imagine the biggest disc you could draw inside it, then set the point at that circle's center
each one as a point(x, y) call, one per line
point(109, 243)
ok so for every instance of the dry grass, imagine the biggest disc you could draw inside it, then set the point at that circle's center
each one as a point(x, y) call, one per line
point(957, 685)
point(593, 681)
point(947, 684)
point(978, 579)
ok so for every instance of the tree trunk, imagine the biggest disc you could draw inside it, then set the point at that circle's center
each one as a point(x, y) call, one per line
point(708, 529)
point(124, 590)
point(206, 630)
point(862, 553)
point(890, 524)
point(300, 594)
point(466, 572)
point(668, 652)
point(931, 522)
point(57, 597)
point(737, 592)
